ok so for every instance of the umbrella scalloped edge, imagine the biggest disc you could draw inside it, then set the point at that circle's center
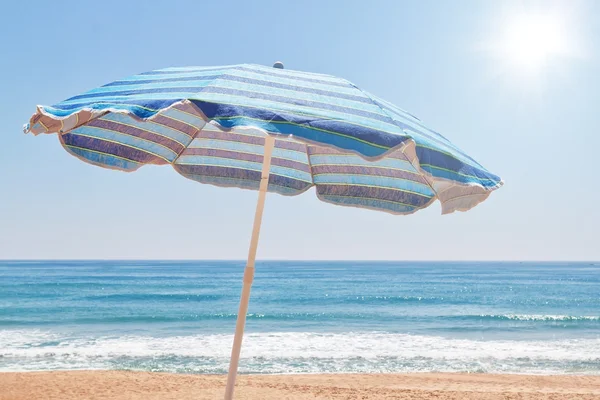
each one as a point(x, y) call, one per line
point(453, 195)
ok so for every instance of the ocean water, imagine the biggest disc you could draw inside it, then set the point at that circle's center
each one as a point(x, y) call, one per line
point(304, 317)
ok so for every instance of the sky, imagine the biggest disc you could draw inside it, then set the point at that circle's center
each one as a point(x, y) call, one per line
point(514, 84)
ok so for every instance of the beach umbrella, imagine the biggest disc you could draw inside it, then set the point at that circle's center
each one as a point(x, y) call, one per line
point(271, 130)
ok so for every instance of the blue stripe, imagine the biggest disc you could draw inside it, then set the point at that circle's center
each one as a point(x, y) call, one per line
point(149, 100)
point(420, 132)
point(354, 137)
point(193, 120)
point(104, 159)
point(291, 74)
point(306, 133)
point(442, 160)
point(188, 69)
point(370, 203)
point(247, 148)
point(314, 78)
point(289, 80)
point(197, 93)
point(241, 184)
point(218, 162)
point(188, 81)
point(150, 127)
point(249, 74)
point(424, 135)
point(132, 141)
point(297, 102)
point(395, 108)
point(168, 87)
point(455, 176)
point(374, 181)
point(139, 108)
point(241, 164)
point(344, 159)
point(309, 114)
point(179, 92)
point(443, 147)
point(355, 102)
point(413, 123)
point(165, 77)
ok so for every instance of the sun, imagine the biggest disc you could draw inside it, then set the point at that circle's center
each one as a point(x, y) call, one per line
point(535, 42)
point(530, 42)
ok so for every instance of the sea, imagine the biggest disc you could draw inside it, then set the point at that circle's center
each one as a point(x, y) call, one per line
point(304, 317)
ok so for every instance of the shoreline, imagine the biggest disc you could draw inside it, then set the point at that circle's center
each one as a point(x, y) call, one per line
point(133, 385)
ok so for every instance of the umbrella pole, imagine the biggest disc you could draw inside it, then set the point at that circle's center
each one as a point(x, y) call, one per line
point(249, 271)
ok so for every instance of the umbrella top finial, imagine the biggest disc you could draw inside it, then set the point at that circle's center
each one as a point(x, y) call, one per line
point(278, 64)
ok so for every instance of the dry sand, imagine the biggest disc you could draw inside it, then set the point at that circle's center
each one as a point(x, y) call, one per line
point(120, 385)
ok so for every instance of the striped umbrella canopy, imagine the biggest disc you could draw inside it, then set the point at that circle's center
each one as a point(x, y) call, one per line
point(268, 129)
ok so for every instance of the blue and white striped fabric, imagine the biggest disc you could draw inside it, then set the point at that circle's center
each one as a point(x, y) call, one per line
point(209, 123)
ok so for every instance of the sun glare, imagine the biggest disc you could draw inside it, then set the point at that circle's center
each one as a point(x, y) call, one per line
point(530, 42)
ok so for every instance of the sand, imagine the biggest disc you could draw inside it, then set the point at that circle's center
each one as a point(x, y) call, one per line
point(120, 385)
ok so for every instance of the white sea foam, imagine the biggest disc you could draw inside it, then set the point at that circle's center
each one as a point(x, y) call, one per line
point(287, 352)
point(543, 317)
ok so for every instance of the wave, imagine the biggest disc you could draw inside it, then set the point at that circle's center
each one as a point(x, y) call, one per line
point(175, 297)
point(538, 317)
point(542, 318)
point(300, 352)
point(324, 317)
point(333, 299)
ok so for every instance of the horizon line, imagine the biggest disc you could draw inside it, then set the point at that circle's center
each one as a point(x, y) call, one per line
point(292, 260)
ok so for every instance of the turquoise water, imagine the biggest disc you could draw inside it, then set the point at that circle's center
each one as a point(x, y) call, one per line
point(304, 317)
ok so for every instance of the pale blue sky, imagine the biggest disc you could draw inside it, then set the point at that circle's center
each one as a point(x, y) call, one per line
point(538, 128)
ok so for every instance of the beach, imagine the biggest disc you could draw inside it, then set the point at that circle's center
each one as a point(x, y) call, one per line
point(123, 385)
